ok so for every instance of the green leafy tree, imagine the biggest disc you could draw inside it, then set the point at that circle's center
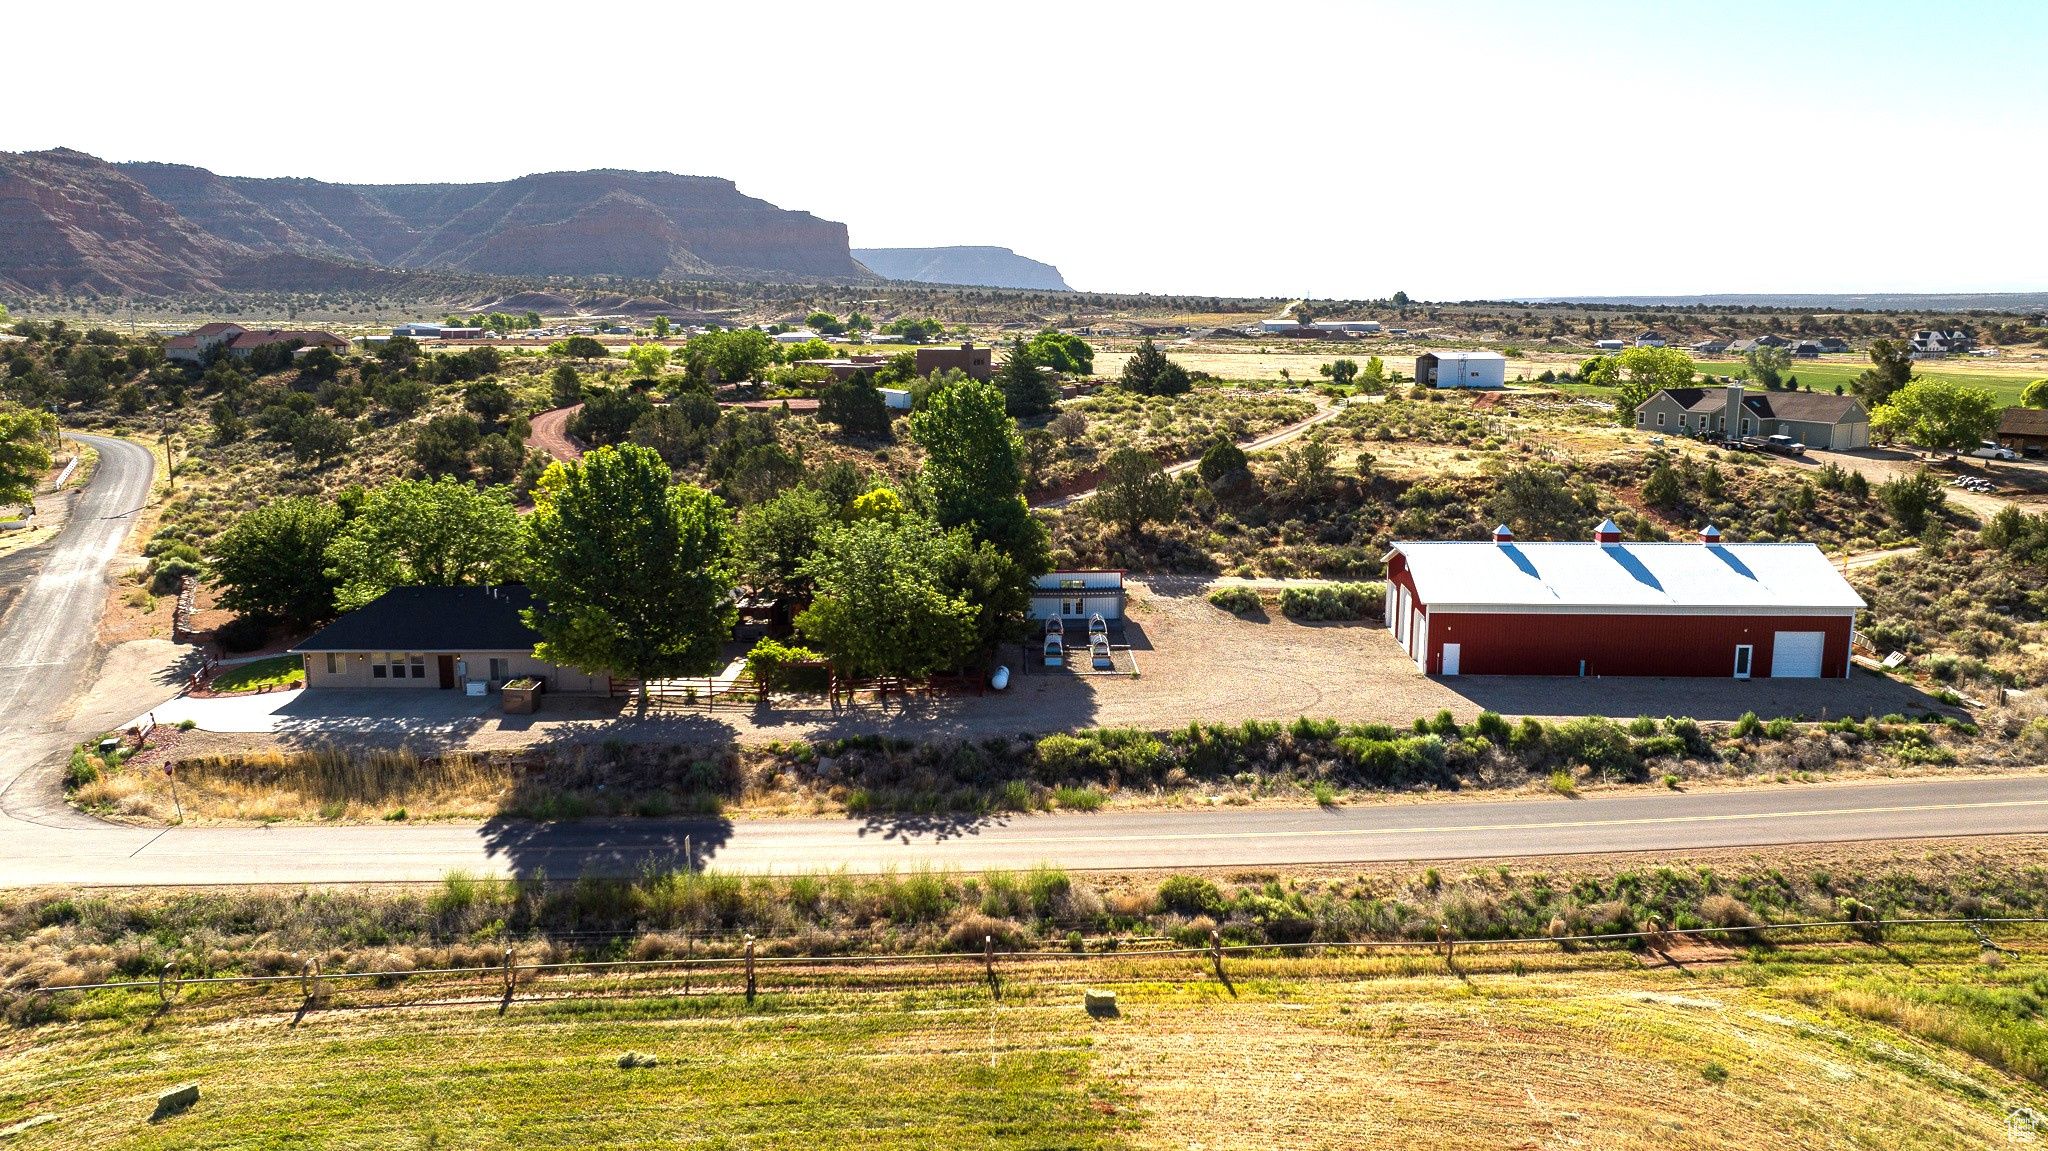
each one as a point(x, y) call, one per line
point(1305, 466)
point(881, 607)
point(1601, 371)
point(632, 575)
point(1134, 491)
point(1026, 390)
point(271, 563)
point(1340, 372)
point(808, 350)
point(580, 348)
point(24, 457)
point(399, 352)
point(1938, 415)
point(661, 327)
point(1374, 377)
point(608, 416)
point(1891, 368)
point(431, 533)
point(729, 357)
point(824, 322)
point(775, 537)
point(1766, 365)
point(2035, 395)
point(973, 472)
point(648, 360)
point(1649, 371)
point(1067, 355)
point(1148, 372)
point(856, 406)
point(1662, 489)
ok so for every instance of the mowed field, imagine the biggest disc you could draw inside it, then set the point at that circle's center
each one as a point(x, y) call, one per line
point(1917, 1043)
point(2005, 380)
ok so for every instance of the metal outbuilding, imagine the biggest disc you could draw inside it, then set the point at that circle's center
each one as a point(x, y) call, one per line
point(1702, 609)
point(1461, 369)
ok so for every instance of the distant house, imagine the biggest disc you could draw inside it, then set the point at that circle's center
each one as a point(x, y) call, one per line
point(1833, 345)
point(2024, 430)
point(1074, 594)
point(1461, 369)
point(1816, 419)
point(437, 638)
point(1650, 340)
point(193, 346)
point(1610, 345)
point(799, 336)
point(1806, 349)
point(845, 368)
point(1936, 343)
point(1771, 341)
point(967, 358)
point(1710, 347)
point(1361, 326)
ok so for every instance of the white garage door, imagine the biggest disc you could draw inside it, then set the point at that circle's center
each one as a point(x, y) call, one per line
point(1796, 654)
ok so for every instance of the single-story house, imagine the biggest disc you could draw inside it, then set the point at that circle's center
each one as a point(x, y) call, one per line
point(1816, 419)
point(438, 638)
point(1650, 340)
point(1074, 594)
point(193, 346)
point(1806, 349)
point(1609, 345)
point(1461, 369)
point(2024, 430)
point(1705, 609)
point(1833, 345)
point(1710, 347)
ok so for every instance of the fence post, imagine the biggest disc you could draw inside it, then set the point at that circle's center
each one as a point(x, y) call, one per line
point(988, 957)
point(1443, 938)
point(309, 978)
point(511, 971)
point(750, 970)
point(1216, 953)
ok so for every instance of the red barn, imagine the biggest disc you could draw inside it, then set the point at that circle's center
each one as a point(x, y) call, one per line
point(1704, 609)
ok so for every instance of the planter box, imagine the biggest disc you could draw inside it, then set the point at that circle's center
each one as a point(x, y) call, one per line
point(521, 696)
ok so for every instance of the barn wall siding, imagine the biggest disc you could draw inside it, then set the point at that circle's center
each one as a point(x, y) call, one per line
point(1626, 645)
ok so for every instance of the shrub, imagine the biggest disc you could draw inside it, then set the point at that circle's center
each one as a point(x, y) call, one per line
point(1344, 601)
point(242, 633)
point(1236, 600)
point(1780, 728)
point(1561, 782)
point(170, 574)
point(1192, 895)
point(1747, 726)
point(82, 770)
point(769, 663)
point(1597, 742)
point(1492, 728)
point(974, 928)
point(1078, 798)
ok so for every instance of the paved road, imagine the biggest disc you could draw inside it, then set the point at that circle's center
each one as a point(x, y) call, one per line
point(46, 643)
point(1143, 840)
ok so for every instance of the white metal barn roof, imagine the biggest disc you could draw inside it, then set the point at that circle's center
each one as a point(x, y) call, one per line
point(1461, 357)
point(1755, 578)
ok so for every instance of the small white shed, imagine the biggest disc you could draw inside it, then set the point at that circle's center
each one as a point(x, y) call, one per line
point(1461, 369)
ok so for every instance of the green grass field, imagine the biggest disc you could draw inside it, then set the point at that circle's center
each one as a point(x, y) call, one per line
point(1822, 375)
point(273, 672)
point(1917, 1043)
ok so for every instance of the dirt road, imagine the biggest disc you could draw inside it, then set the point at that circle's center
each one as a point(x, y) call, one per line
point(551, 434)
point(1273, 439)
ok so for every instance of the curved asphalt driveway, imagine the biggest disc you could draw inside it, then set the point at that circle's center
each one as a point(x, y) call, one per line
point(47, 643)
point(46, 648)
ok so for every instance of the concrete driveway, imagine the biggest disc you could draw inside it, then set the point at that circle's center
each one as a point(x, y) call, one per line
point(332, 711)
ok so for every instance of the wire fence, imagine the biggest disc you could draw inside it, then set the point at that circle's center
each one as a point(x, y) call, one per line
point(315, 983)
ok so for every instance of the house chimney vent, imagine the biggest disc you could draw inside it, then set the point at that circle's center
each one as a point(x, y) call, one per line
point(1608, 532)
point(1710, 534)
point(1503, 535)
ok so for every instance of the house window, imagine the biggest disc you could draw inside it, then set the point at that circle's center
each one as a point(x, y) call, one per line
point(501, 669)
point(333, 663)
point(1660, 419)
point(1639, 417)
point(419, 667)
point(377, 668)
point(1072, 583)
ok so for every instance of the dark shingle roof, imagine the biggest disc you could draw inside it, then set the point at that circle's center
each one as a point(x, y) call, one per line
point(1806, 407)
point(2024, 422)
point(428, 619)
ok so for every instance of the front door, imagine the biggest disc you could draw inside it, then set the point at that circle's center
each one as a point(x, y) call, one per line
point(1743, 654)
point(447, 671)
point(1451, 658)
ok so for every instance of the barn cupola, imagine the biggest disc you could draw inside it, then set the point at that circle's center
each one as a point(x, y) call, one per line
point(1503, 535)
point(1608, 532)
point(1710, 534)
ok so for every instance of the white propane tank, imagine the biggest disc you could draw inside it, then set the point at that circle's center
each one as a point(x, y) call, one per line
point(1001, 679)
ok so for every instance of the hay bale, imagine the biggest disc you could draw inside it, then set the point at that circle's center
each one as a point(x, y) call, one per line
point(1101, 1004)
point(177, 1099)
point(632, 1059)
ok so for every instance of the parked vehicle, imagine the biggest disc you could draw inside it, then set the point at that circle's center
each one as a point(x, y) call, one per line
point(1986, 450)
point(1744, 445)
point(1784, 446)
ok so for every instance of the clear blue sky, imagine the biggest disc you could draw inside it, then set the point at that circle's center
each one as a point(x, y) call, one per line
point(1449, 149)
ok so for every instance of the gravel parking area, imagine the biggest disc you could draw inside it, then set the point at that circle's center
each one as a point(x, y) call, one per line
point(1197, 663)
